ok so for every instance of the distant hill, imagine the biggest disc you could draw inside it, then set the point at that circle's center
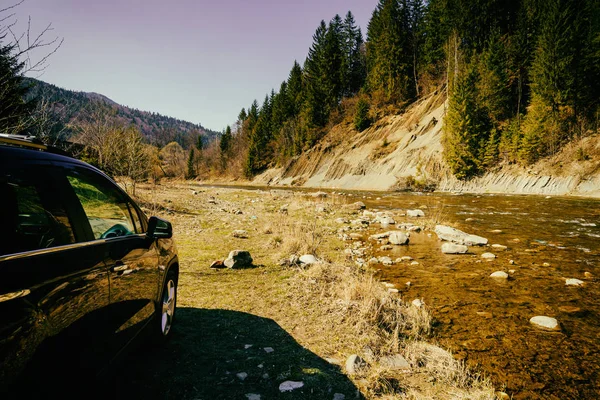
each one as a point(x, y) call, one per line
point(67, 106)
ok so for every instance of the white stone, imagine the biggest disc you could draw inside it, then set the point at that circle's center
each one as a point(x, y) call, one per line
point(252, 396)
point(574, 282)
point(417, 303)
point(247, 346)
point(415, 213)
point(395, 362)
point(451, 248)
point(544, 322)
point(389, 285)
point(392, 290)
point(308, 259)
point(457, 236)
point(288, 386)
point(398, 238)
point(414, 263)
point(499, 275)
point(386, 260)
point(319, 195)
point(406, 258)
point(338, 396)
point(488, 256)
point(499, 247)
point(354, 363)
point(241, 375)
point(268, 349)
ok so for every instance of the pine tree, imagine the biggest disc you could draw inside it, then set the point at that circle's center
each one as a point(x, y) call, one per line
point(191, 170)
point(389, 56)
point(466, 129)
point(14, 110)
point(199, 143)
point(361, 116)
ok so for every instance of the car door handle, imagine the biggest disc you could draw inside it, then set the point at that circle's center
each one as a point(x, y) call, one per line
point(119, 267)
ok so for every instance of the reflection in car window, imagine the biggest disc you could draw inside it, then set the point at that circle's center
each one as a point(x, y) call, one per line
point(33, 216)
point(103, 204)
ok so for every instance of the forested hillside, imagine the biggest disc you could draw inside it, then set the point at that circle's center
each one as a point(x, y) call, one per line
point(65, 109)
point(521, 79)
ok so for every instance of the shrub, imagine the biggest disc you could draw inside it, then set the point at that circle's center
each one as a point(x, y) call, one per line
point(361, 116)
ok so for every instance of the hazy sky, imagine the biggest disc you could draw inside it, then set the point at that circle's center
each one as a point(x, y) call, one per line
point(196, 60)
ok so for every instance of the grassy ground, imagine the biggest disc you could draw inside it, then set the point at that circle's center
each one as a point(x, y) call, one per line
point(240, 334)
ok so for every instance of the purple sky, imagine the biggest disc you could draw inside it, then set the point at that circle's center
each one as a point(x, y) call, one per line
point(197, 60)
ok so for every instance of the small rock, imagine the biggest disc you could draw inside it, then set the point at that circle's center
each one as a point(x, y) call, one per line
point(388, 285)
point(408, 284)
point(242, 375)
point(338, 396)
point(588, 274)
point(545, 264)
point(395, 362)
point(502, 396)
point(418, 303)
point(488, 256)
point(512, 271)
point(359, 205)
point(392, 290)
point(284, 209)
point(308, 259)
point(485, 314)
point(268, 349)
point(212, 201)
point(574, 282)
point(373, 260)
point(499, 247)
point(385, 260)
point(386, 247)
point(415, 213)
point(354, 363)
point(380, 236)
point(238, 259)
point(240, 234)
point(288, 386)
point(320, 195)
point(414, 263)
point(217, 264)
point(451, 248)
point(398, 238)
point(385, 220)
point(512, 262)
point(247, 346)
point(544, 322)
point(496, 231)
point(342, 221)
point(406, 258)
point(252, 396)
point(499, 275)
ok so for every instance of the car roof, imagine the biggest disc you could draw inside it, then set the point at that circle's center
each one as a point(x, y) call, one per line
point(19, 147)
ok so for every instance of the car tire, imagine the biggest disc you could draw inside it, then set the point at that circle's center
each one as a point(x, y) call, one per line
point(167, 305)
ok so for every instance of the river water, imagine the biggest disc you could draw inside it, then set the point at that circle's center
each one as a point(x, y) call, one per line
point(486, 321)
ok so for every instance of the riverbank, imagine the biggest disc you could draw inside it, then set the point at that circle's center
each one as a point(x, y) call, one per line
point(334, 309)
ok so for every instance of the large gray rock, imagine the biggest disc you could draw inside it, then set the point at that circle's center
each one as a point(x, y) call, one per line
point(398, 238)
point(451, 248)
point(395, 362)
point(238, 259)
point(457, 236)
point(308, 259)
point(354, 363)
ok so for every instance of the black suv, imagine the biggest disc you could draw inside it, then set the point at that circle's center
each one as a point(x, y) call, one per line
point(82, 270)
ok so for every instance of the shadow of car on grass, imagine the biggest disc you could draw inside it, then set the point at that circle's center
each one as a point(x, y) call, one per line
point(222, 354)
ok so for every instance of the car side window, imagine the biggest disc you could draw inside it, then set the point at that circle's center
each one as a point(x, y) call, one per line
point(105, 207)
point(33, 216)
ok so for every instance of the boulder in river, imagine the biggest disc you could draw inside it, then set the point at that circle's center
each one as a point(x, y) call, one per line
point(545, 322)
point(238, 259)
point(488, 256)
point(452, 248)
point(574, 282)
point(499, 275)
point(457, 236)
point(398, 238)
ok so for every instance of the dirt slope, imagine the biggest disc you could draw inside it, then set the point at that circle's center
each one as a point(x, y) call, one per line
point(409, 145)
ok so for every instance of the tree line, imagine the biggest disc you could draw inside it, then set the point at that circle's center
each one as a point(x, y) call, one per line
point(521, 78)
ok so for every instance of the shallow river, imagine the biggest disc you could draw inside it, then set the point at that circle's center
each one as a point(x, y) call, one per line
point(486, 321)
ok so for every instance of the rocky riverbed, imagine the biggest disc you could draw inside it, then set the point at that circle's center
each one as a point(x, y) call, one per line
point(509, 280)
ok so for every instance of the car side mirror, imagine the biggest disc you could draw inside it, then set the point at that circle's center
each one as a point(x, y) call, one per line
point(159, 228)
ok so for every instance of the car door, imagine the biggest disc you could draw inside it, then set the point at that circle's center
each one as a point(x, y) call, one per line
point(130, 255)
point(52, 281)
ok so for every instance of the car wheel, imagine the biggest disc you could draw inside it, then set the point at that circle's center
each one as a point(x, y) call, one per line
point(166, 308)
